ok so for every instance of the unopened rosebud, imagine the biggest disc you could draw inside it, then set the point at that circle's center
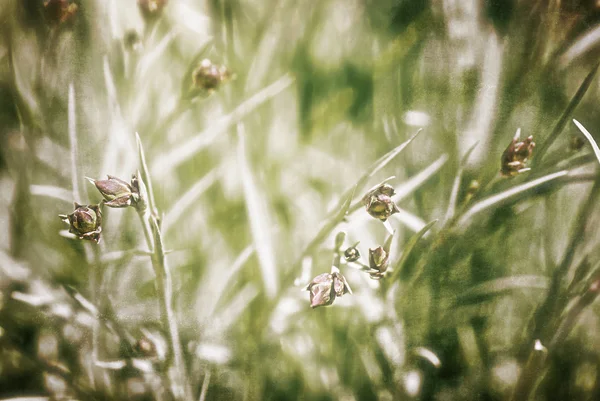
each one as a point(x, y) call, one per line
point(515, 156)
point(59, 11)
point(151, 9)
point(351, 254)
point(116, 192)
point(85, 222)
point(208, 76)
point(378, 262)
point(379, 203)
point(325, 287)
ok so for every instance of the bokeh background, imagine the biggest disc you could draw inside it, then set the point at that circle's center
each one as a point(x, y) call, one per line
point(495, 300)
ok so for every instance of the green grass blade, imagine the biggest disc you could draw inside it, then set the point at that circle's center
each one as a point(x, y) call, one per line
point(590, 138)
point(173, 158)
point(410, 245)
point(562, 122)
point(186, 200)
point(493, 288)
point(456, 185)
point(506, 196)
point(258, 215)
point(51, 191)
point(72, 125)
point(415, 182)
point(146, 174)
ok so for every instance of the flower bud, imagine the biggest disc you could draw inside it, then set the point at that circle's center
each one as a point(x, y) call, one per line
point(59, 11)
point(378, 262)
point(208, 77)
point(379, 203)
point(351, 254)
point(325, 287)
point(116, 192)
point(515, 156)
point(151, 9)
point(85, 222)
point(145, 347)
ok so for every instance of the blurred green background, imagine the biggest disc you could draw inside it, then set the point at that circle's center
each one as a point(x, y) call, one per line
point(252, 181)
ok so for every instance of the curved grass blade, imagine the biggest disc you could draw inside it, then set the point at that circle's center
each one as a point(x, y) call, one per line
point(562, 122)
point(173, 158)
point(408, 249)
point(414, 182)
point(506, 196)
point(146, 175)
point(188, 198)
point(258, 215)
point(493, 288)
point(51, 191)
point(456, 185)
point(590, 138)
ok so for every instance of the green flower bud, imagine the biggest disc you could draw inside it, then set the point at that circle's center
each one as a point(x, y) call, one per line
point(85, 222)
point(116, 192)
point(325, 287)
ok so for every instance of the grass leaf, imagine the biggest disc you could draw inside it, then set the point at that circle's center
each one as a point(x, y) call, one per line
point(408, 248)
point(258, 214)
point(590, 138)
point(456, 185)
point(501, 286)
point(562, 122)
point(506, 196)
point(173, 158)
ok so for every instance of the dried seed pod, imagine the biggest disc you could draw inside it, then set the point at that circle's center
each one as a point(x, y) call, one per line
point(325, 287)
point(59, 11)
point(85, 222)
point(208, 76)
point(116, 192)
point(379, 203)
point(515, 156)
point(351, 254)
point(151, 9)
point(378, 262)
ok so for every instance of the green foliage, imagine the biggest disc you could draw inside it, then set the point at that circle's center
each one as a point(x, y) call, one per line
point(251, 175)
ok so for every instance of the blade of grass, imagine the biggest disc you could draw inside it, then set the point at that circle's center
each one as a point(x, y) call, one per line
point(173, 158)
point(590, 138)
point(256, 207)
point(146, 176)
point(501, 286)
point(51, 191)
point(72, 125)
point(506, 196)
point(456, 185)
point(410, 245)
point(186, 200)
point(562, 122)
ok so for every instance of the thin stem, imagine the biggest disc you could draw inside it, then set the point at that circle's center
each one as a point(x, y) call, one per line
point(178, 377)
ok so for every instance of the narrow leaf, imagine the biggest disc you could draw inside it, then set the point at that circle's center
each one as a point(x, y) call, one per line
point(186, 200)
point(501, 286)
point(51, 192)
point(410, 245)
point(590, 138)
point(145, 174)
point(562, 122)
point(456, 185)
point(416, 181)
point(173, 158)
point(258, 214)
point(506, 196)
point(72, 126)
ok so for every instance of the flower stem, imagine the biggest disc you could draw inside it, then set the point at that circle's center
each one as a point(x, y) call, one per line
point(174, 359)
